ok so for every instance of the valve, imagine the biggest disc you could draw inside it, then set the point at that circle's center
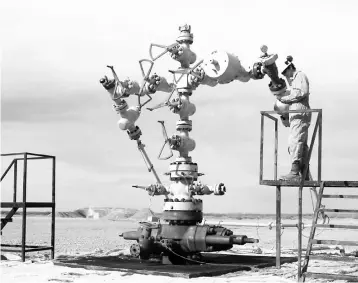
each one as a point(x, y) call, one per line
point(114, 84)
point(176, 51)
point(117, 88)
point(166, 141)
point(172, 48)
point(219, 189)
point(200, 189)
point(175, 105)
point(189, 71)
point(267, 65)
point(175, 142)
point(166, 102)
point(154, 189)
point(199, 76)
point(145, 80)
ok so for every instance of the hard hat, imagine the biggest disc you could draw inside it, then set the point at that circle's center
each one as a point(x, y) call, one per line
point(288, 63)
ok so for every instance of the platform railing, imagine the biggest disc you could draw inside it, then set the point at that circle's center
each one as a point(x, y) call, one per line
point(24, 204)
point(317, 129)
point(301, 183)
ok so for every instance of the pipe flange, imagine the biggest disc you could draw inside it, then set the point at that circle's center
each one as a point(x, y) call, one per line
point(121, 106)
point(185, 35)
point(134, 250)
point(184, 125)
point(183, 170)
point(183, 206)
point(183, 215)
point(135, 134)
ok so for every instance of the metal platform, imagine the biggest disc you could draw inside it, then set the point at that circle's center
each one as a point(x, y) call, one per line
point(15, 205)
point(310, 184)
point(215, 264)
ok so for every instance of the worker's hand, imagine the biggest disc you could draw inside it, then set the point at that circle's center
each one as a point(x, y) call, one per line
point(285, 120)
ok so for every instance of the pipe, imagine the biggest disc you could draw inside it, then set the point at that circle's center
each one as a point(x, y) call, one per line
point(268, 225)
point(131, 235)
point(229, 240)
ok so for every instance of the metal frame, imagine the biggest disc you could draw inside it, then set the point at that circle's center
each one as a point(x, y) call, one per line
point(24, 204)
point(280, 183)
point(312, 240)
point(300, 184)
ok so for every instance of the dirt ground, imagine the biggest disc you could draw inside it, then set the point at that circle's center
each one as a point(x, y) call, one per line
point(101, 237)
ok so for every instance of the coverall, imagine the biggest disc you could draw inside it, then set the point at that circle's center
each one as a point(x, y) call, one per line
point(298, 99)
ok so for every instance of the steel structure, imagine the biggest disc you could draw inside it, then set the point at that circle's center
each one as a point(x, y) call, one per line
point(14, 205)
point(181, 235)
point(312, 240)
point(301, 183)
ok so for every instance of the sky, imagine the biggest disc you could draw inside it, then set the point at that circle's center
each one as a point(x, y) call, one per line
point(53, 54)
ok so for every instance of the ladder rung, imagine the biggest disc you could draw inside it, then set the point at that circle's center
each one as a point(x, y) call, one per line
point(6, 219)
point(350, 278)
point(340, 196)
point(336, 226)
point(339, 210)
point(334, 242)
point(334, 258)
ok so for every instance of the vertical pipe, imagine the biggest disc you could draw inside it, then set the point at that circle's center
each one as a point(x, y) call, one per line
point(278, 226)
point(276, 149)
point(53, 207)
point(262, 148)
point(320, 146)
point(299, 248)
point(15, 181)
point(24, 183)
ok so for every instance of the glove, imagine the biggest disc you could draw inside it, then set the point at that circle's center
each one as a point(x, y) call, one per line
point(285, 120)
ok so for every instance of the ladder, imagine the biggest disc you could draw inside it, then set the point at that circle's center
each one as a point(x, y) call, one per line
point(312, 240)
point(8, 217)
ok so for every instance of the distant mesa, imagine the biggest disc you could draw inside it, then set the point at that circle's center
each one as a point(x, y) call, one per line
point(142, 215)
point(98, 212)
point(121, 213)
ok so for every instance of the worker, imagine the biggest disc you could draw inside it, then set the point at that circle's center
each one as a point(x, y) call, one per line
point(297, 97)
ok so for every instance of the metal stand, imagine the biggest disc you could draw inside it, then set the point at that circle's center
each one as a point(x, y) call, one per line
point(24, 204)
point(312, 240)
point(300, 184)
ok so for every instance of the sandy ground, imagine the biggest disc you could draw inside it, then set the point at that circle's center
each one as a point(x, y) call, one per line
point(100, 237)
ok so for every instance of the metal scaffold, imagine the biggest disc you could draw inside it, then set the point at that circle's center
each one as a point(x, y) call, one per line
point(306, 181)
point(15, 204)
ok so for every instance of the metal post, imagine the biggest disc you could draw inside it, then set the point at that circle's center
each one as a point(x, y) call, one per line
point(262, 148)
point(15, 181)
point(320, 146)
point(278, 226)
point(24, 182)
point(276, 150)
point(299, 248)
point(53, 207)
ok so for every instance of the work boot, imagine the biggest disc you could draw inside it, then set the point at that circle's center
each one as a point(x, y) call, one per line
point(308, 176)
point(294, 174)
